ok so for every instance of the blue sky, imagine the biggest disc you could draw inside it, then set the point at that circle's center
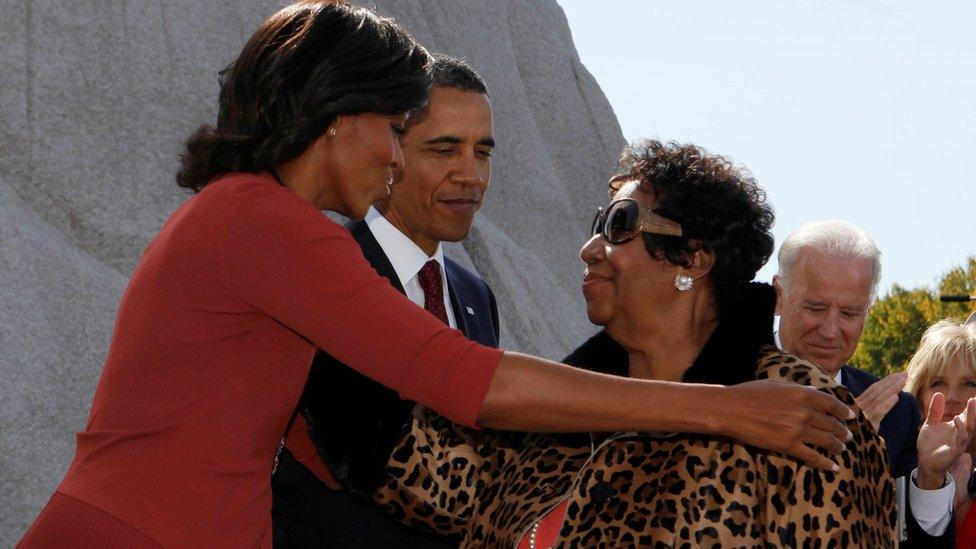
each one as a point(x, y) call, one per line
point(864, 111)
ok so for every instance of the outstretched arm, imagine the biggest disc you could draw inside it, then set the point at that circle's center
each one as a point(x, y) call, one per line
point(286, 260)
point(532, 394)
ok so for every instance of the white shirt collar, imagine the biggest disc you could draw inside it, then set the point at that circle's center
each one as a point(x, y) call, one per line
point(406, 257)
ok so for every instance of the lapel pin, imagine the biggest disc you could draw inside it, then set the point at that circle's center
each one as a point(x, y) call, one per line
point(469, 309)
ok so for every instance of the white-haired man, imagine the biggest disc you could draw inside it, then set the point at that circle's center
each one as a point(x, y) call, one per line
point(828, 277)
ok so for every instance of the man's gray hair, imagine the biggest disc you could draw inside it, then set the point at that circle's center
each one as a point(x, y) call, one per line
point(833, 237)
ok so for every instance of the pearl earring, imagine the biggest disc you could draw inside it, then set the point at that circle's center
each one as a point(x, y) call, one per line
point(683, 282)
point(332, 132)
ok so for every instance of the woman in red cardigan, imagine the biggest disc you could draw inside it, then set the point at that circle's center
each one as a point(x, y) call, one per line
point(216, 330)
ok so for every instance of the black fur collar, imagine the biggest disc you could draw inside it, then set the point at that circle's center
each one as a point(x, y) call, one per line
point(729, 356)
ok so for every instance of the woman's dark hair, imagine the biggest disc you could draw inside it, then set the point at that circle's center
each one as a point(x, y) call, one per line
point(304, 66)
point(719, 205)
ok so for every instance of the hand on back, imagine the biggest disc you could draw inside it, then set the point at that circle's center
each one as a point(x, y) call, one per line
point(789, 418)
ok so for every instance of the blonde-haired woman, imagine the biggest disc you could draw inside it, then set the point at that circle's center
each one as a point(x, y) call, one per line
point(945, 363)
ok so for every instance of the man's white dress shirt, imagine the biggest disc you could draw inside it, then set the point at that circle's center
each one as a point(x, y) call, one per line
point(407, 259)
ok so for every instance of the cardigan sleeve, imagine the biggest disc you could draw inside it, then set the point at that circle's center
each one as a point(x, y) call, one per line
point(283, 257)
point(297, 442)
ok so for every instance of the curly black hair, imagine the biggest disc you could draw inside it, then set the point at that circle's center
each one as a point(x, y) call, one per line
point(720, 207)
point(307, 64)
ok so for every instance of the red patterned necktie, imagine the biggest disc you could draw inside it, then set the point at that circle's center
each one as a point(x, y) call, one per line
point(430, 281)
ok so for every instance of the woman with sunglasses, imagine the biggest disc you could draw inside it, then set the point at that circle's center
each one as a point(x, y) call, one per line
point(668, 275)
point(217, 328)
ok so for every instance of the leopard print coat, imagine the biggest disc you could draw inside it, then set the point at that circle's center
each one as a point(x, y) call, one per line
point(645, 489)
point(642, 489)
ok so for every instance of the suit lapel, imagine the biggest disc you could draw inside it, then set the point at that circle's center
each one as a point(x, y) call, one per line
point(374, 253)
point(852, 383)
point(378, 259)
point(460, 314)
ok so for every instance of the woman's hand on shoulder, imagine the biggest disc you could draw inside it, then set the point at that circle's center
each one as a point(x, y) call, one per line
point(786, 417)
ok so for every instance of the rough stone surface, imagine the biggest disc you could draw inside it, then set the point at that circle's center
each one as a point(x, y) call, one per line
point(96, 98)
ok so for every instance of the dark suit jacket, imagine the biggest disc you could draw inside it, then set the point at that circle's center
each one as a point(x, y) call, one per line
point(899, 428)
point(308, 514)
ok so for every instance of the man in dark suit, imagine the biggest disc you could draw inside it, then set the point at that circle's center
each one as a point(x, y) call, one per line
point(321, 492)
point(828, 276)
point(899, 423)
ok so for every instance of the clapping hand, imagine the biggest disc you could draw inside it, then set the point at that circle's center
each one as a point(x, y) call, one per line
point(961, 470)
point(877, 400)
point(941, 443)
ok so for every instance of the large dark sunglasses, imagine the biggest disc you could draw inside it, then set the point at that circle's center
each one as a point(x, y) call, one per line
point(624, 219)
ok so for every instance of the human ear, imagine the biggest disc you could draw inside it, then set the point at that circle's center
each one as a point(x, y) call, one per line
point(701, 263)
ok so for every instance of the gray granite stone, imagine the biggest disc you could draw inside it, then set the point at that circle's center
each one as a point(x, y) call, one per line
point(57, 307)
point(96, 98)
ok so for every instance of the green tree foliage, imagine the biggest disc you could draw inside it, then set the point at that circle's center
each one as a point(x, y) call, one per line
point(897, 320)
